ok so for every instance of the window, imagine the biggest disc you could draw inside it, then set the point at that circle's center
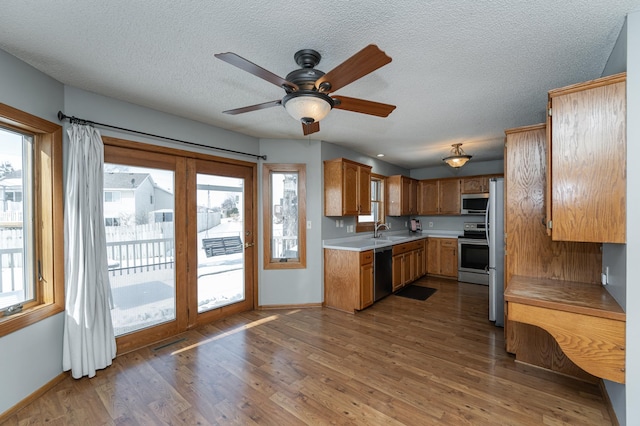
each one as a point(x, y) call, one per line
point(31, 219)
point(284, 215)
point(111, 221)
point(111, 196)
point(367, 222)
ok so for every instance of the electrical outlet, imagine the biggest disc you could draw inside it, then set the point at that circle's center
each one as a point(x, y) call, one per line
point(430, 224)
point(308, 224)
point(337, 223)
point(605, 276)
point(405, 223)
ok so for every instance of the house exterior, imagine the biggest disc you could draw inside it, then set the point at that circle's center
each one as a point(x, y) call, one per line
point(21, 86)
point(130, 198)
point(11, 199)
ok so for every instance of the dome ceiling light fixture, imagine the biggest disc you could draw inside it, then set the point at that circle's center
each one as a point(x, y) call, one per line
point(457, 158)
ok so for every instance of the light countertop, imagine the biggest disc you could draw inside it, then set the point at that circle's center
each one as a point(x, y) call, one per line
point(365, 241)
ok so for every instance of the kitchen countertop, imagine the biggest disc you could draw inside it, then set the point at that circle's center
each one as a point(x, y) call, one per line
point(365, 241)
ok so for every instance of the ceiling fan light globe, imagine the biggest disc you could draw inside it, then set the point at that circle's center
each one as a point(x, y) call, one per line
point(307, 107)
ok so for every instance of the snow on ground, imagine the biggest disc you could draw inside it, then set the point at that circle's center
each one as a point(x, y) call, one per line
point(144, 299)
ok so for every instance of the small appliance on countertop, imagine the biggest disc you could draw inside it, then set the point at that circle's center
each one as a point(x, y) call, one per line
point(415, 225)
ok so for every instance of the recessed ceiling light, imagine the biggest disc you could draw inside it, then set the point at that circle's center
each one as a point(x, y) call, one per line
point(380, 155)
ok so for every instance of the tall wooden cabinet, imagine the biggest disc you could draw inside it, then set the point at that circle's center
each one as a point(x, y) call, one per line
point(439, 197)
point(530, 252)
point(587, 161)
point(347, 188)
point(402, 196)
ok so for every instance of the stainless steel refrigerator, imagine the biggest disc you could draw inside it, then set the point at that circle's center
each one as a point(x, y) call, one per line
point(494, 227)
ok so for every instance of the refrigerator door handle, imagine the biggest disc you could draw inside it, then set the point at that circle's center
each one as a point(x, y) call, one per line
point(486, 220)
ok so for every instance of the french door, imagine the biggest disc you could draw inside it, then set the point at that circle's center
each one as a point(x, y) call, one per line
point(180, 232)
point(221, 234)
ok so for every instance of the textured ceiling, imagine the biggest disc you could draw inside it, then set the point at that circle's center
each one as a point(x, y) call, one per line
point(462, 71)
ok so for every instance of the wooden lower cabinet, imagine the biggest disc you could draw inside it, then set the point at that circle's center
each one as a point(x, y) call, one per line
point(408, 263)
point(442, 259)
point(348, 279)
point(366, 280)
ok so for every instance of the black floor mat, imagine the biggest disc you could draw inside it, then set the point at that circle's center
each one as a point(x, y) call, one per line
point(416, 292)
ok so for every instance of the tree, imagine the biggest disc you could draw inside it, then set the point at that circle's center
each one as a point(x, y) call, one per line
point(5, 169)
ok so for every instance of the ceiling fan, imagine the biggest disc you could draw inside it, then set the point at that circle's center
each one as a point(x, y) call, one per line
point(307, 89)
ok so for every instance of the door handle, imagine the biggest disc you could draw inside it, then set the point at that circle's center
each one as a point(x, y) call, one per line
point(247, 245)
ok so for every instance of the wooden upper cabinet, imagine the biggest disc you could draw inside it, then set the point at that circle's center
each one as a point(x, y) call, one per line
point(587, 161)
point(402, 196)
point(428, 197)
point(474, 185)
point(439, 196)
point(347, 188)
point(449, 196)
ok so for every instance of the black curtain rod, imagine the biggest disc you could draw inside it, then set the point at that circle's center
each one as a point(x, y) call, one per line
point(62, 116)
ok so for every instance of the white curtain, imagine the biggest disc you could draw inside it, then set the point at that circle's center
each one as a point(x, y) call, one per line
point(89, 340)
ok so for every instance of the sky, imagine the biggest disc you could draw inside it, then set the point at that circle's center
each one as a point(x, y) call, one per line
point(11, 148)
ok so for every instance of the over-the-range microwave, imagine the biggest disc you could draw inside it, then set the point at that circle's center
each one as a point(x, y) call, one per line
point(474, 204)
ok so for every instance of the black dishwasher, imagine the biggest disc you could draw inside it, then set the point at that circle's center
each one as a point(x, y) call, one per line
point(382, 273)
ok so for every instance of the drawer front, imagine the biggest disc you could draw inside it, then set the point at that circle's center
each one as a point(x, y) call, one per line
point(448, 242)
point(410, 246)
point(366, 257)
point(401, 248)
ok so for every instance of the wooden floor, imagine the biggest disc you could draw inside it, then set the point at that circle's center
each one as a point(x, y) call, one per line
point(401, 361)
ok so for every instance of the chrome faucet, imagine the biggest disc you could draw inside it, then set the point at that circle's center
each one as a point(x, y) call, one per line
point(376, 231)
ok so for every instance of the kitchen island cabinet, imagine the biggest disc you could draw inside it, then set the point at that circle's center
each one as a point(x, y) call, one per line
point(348, 279)
point(347, 188)
point(442, 257)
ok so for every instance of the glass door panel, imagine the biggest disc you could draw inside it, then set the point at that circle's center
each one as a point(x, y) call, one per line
point(139, 222)
point(220, 241)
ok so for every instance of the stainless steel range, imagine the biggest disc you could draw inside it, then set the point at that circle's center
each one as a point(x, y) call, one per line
point(473, 254)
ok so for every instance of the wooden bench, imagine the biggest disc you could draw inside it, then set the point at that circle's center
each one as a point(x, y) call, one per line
point(583, 318)
point(220, 246)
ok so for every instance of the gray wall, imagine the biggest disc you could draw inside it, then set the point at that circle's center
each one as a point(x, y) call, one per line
point(616, 256)
point(32, 356)
point(295, 286)
point(90, 106)
point(472, 168)
point(633, 226)
point(331, 151)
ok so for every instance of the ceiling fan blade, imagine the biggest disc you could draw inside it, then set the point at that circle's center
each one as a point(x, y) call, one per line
point(256, 70)
point(362, 63)
point(362, 106)
point(253, 107)
point(307, 129)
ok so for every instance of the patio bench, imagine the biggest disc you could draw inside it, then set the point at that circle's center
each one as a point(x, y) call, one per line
point(222, 245)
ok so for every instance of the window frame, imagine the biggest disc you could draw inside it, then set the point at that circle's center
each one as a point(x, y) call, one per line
point(268, 261)
point(48, 216)
point(370, 226)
